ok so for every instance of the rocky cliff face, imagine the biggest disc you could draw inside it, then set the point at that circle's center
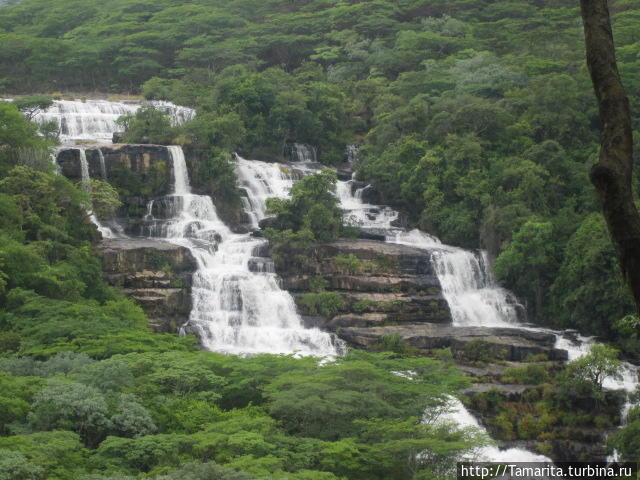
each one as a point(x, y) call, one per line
point(155, 274)
point(373, 284)
point(140, 173)
point(380, 296)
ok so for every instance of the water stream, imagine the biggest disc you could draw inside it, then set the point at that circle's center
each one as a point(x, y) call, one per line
point(475, 299)
point(95, 120)
point(238, 305)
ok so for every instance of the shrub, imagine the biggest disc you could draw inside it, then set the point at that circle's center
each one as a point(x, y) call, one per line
point(392, 343)
point(348, 263)
point(322, 303)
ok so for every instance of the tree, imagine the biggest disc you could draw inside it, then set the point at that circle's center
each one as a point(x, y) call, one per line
point(147, 125)
point(312, 207)
point(64, 405)
point(599, 364)
point(528, 261)
point(612, 175)
point(104, 199)
point(31, 106)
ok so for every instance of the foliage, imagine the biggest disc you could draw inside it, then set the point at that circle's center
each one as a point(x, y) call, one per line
point(312, 207)
point(322, 303)
point(599, 364)
point(32, 105)
point(104, 199)
point(147, 125)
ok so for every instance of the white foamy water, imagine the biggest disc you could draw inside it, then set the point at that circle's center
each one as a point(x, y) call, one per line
point(261, 181)
point(301, 152)
point(357, 212)
point(95, 120)
point(235, 309)
point(475, 299)
point(460, 416)
point(105, 231)
point(473, 295)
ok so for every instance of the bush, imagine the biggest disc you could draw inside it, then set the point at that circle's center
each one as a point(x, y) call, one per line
point(322, 303)
point(528, 374)
point(348, 263)
point(392, 343)
point(147, 125)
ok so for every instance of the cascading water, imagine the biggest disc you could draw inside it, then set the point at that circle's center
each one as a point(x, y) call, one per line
point(468, 285)
point(262, 180)
point(475, 300)
point(360, 213)
point(85, 180)
point(95, 120)
point(103, 165)
point(301, 152)
point(235, 309)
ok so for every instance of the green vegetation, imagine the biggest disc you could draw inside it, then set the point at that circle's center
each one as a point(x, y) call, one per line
point(311, 214)
point(478, 118)
point(478, 122)
point(559, 402)
point(322, 303)
point(147, 125)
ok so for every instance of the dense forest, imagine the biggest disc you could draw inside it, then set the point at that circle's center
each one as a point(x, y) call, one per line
point(475, 119)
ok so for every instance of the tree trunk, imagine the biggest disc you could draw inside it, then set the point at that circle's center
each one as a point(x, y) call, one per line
point(613, 173)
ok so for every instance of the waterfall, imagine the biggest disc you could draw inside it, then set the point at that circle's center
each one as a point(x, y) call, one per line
point(363, 214)
point(85, 180)
point(95, 120)
point(301, 153)
point(468, 285)
point(460, 416)
point(235, 310)
point(262, 180)
point(475, 299)
point(351, 153)
point(103, 166)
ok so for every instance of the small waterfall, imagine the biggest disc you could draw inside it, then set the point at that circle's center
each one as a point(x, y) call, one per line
point(85, 180)
point(460, 416)
point(359, 213)
point(103, 166)
point(237, 306)
point(262, 180)
point(301, 153)
point(84, 169)
point(351, 153)
point(95, 120)
point(468, 285)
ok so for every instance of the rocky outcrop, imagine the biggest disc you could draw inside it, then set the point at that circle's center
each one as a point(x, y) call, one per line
point(378, 284)
point(466, 343)
point(155, 274)
point(140, 173)
point(143, 160)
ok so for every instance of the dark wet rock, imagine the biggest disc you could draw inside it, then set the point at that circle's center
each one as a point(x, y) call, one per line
point(401, 222)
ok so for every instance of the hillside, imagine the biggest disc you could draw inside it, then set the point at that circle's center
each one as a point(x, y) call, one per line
point(470, 121)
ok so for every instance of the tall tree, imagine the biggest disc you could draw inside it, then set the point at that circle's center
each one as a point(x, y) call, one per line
point(613, 173)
